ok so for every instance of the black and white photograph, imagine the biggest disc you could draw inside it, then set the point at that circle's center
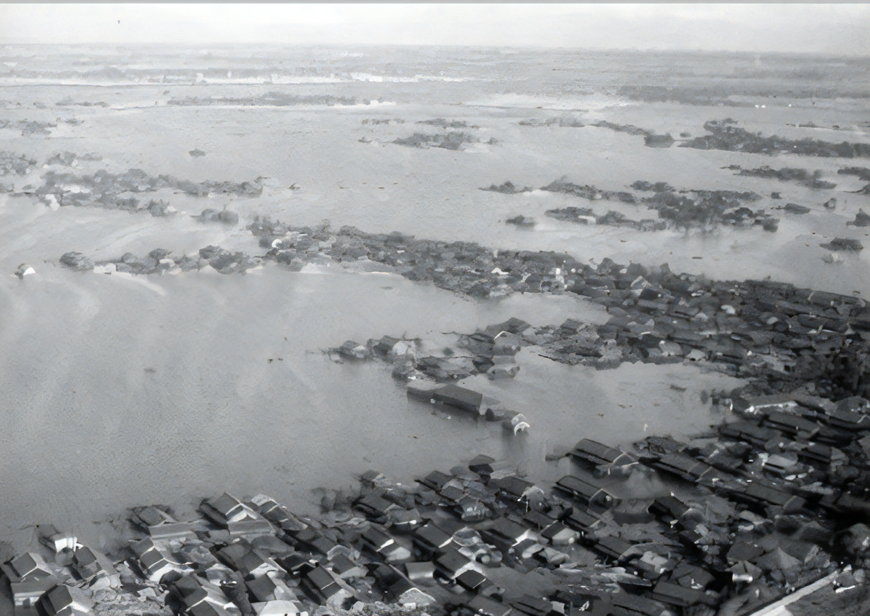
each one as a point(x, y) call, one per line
point(434, 309)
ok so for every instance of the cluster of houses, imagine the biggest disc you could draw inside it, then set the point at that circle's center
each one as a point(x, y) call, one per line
point(781, 337)
point(37, 582)
point(771, 502)
point(772, 332)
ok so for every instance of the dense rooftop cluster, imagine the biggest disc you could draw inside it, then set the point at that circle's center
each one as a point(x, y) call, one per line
point(18, 164)
point(766, 504)
point(787, 174)
point(675, 209)
point(116, 191)
point(724, 135)
point(29, 128)
point(453, 140)
point(781, 337)
point(270, 99)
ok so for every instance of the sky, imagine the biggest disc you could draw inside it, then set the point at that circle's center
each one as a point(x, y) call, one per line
point(777, 27)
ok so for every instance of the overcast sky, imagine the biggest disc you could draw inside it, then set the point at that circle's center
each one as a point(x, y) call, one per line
point(830, 28)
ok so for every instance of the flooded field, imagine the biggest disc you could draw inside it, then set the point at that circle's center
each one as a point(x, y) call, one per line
point(121, 390)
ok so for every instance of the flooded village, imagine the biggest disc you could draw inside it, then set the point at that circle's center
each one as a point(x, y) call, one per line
point(435, 330)
point(770, 503)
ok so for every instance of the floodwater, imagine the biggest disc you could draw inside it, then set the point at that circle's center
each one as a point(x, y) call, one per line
point(118, 391)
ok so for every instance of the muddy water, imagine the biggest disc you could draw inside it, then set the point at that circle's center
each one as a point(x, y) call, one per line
point(379, 186)
point(117, 391)
point(123, 391)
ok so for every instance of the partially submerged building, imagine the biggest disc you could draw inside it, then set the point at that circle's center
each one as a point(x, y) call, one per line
point(30, 577)
point(235, 516)
point(159, 524)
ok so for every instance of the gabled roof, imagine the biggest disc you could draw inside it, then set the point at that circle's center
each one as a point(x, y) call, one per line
point(152, 560)
point(377, 538)
point(264, 588)
point(153, 516)
point(684, 466)
point(488, 607)
point(226, 505)
point(668, 506)
point(580, 520)
point(508, 530)
point(587, 492)
point(790, 423)
point(612, 546)
point(57, 599)
point(84, 556)
point(596, 453)
point(61, 598)
point(533, 606)
point(435, 480)
point(142, 546)
point(558, 533)
point(452, 563)
point(459, 397)
point(514, 486)
point(374, 504)
point(432, 536)
point(674, 594)
point(234, 552)
point(277, 608)
point(26, 567)
point(319, 579)
point(208, 609)
point(470, 579)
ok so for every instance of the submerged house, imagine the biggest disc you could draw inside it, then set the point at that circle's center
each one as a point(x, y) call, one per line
point(459, 397)
point(29, 578)
point(279, 515)
point(321, 585)
point(232, 514)
point(600, 456)
point(436, 480)
point(658, 141)
point(270, 587)
point(53, 539)
point(488, 607)
point(514, 490)
point(279, 608)
point(271, 596)
point(91, 564)
point(159, 524)
point(431, 538)
point(762, 405)
point(210, 609)
point(201, 597)
point(152, 560)
point(755, 493)
point(587, 493)
point(451, 564)
point(505, 534)
point(241, 557)
point(383, 544)
point(450, 395)
point(374, 506)
point(687, 468)
point(63, 600)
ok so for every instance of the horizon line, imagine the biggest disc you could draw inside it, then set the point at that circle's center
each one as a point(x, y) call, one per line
point(205, 45)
